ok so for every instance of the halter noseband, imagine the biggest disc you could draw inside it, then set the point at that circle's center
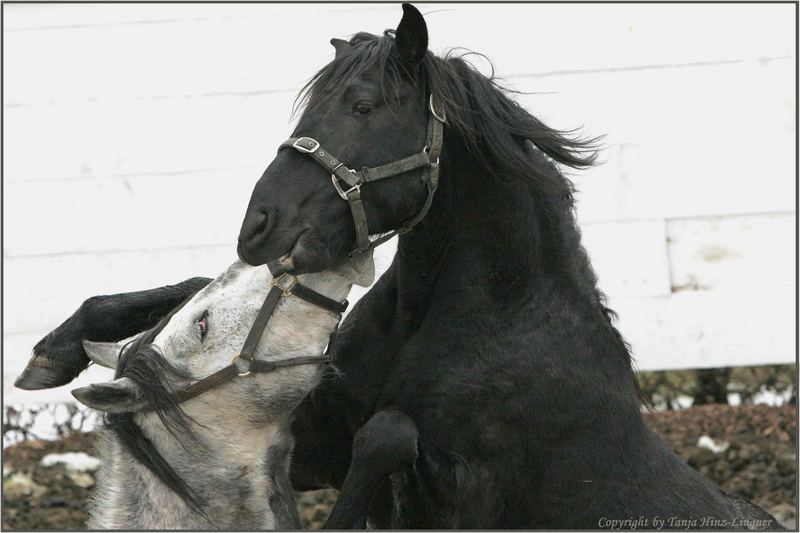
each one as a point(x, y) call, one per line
point(283, 284)
point(354, 179)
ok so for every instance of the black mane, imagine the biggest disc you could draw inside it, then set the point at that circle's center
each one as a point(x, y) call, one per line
point(495, 129)
point(142, 362)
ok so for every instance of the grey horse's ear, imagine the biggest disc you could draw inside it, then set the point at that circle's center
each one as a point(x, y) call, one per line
point(360, 268)
point(103, 353)
point(341, 46)
point(122, 395)
point(411, 36)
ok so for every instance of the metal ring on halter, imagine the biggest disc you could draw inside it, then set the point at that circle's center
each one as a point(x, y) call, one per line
point(441, 118)
point(342, 193)
point(430, 175)
point(425, 151)
point(285, 282)
point(235, 360)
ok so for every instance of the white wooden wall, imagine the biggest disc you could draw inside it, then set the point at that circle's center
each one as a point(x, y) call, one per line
point(135, 133)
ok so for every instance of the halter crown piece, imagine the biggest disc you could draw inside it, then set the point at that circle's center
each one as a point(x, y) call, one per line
point(427, 159)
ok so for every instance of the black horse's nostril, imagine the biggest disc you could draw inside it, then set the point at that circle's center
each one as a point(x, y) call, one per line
point(255, 225)
point(254, 234)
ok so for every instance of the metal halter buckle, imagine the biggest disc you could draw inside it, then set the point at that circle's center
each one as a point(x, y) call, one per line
point(306, 150)
point(235, 360)
point(285, 282)
point(342, 192)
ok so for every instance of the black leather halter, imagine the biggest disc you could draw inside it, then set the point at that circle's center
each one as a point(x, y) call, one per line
point(283, 284)
point(428, 159)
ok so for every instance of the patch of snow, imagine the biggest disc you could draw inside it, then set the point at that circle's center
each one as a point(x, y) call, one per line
point(78, 461)
point(19, 484)
point(768, 397)
point(81, 479)
point(43, 421)
point(708, 443)
point(684, 401)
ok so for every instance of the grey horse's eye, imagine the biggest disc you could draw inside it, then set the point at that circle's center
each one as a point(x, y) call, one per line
point(202, 324)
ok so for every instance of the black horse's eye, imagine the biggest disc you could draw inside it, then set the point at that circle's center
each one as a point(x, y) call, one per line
point(202, 324)
point(362, 107)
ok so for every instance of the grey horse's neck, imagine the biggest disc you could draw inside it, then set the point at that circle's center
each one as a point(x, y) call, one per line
point(243, 478)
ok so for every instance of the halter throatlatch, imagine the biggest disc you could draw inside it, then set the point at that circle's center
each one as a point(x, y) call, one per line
point(427, 159)
point(283, 284)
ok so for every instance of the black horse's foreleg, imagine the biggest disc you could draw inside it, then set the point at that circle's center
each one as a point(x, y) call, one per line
point(386, 444)
point(59, 357)
point(387, 453)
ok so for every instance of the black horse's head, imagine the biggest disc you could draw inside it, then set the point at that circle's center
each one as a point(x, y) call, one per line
point(366, 108)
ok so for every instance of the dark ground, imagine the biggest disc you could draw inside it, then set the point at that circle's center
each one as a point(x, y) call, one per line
point(759, 464)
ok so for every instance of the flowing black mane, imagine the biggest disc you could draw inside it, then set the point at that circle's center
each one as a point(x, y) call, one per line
point(494, 128)
point(142, 362)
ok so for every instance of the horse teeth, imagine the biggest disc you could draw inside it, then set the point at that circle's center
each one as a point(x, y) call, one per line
point(287, 262)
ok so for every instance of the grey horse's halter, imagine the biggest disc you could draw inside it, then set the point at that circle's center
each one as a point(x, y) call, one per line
point(283, 284)
point(428, 159)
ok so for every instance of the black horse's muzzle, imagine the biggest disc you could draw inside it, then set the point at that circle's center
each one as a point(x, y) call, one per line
point(260, 241)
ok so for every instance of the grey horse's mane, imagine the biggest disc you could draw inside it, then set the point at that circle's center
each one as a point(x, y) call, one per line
point(142, 362)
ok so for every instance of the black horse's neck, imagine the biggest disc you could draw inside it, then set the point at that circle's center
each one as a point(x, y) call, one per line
point(497, 248)
point(494, 235)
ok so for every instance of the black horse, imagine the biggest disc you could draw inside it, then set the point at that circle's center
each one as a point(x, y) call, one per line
point(480, 382)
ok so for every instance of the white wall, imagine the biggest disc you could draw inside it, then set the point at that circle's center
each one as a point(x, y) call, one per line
point(135, 133)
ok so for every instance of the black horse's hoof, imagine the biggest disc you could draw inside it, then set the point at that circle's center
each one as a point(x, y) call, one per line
point(43, 373)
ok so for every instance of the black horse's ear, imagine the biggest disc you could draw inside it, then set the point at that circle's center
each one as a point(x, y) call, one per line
point(342, 46)
point(411, 36)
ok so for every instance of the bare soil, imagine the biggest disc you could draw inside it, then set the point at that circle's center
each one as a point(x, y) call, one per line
point(759, 464)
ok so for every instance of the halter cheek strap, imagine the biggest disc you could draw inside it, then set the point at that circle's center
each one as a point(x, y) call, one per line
point(427, 159)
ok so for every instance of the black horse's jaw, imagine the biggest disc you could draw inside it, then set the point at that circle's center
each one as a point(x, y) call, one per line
point(307, 254)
